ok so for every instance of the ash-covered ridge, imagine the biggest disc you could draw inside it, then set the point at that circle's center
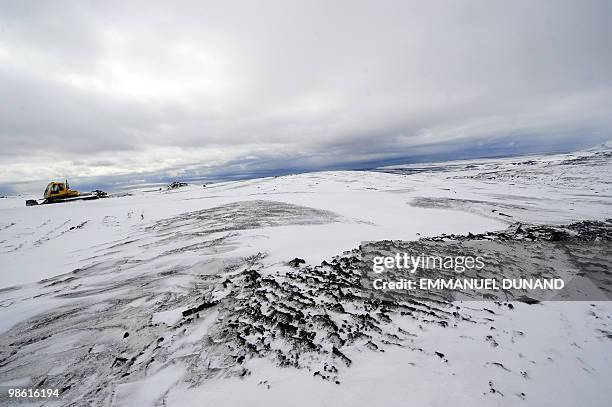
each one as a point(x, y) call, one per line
point(293, 314)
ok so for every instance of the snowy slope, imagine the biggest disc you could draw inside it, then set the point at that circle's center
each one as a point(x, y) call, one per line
point(185, 296)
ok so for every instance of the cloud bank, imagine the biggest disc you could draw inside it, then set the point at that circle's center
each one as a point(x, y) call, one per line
point(97, 90)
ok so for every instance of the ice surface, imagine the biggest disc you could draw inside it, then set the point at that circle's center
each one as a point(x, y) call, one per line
point(151, 298)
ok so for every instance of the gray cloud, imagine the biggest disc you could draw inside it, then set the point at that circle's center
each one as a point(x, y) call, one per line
point(107, 89)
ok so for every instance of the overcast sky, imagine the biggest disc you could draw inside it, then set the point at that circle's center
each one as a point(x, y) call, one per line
point(104, 89)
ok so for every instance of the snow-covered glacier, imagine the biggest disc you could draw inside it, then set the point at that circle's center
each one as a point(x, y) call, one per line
point(254, 292)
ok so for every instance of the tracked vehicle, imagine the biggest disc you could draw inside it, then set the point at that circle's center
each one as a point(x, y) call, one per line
point(60, 192)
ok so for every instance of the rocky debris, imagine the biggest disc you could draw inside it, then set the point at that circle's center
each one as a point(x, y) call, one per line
point(501, 366)
point(491, 341)
point(311, 318)
point(580, 251)
point(493, 390)
point(316, 315)
point(342, 356)
point(79, 226)
point(204, 305)
point(584, 231)
point(528, 300)
point(296, 262)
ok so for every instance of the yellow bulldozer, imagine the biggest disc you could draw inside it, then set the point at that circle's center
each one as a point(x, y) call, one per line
point(61, 192)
